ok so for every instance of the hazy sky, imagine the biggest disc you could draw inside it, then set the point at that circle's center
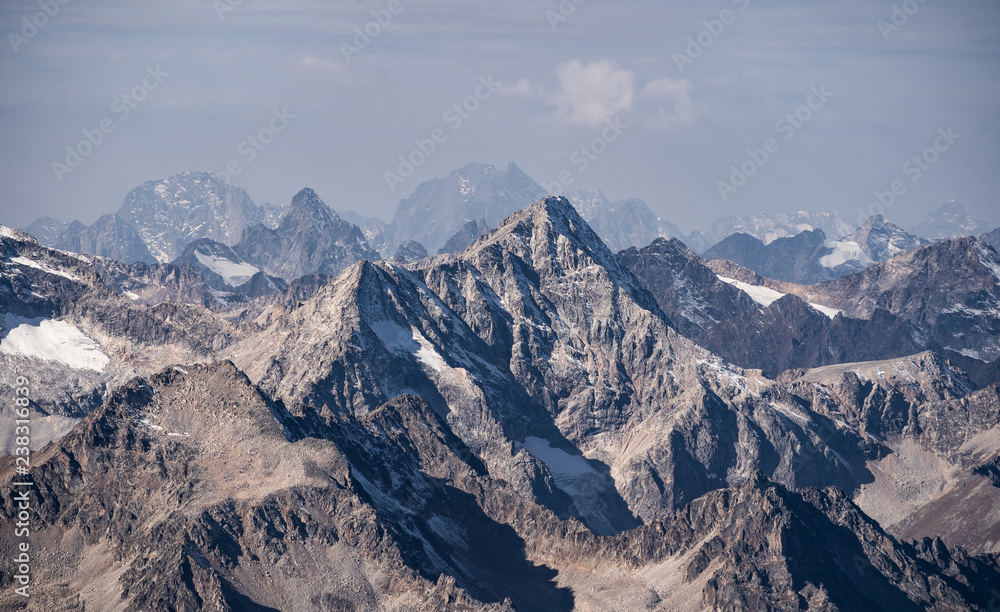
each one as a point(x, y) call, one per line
point(182, 85)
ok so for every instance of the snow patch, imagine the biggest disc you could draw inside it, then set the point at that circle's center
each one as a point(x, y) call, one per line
point(762, 295)
point(789, 412)
point(573, 475)
point(843, 252)
point(829, 312)
point(766, 296)
point(971, 313)
point(149, 424)
point(51, 340)
point(401, 340)
point(427, 355)
point(22, 261)
point(562, 464)
point(724, 374)
point(967, 352)
point(7, 232)
point(394, 337)
point(841, 459)
point(233, 273)
point(465, 186)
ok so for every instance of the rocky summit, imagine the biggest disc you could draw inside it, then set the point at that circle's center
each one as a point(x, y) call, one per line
point(310, 239)
point(286, 421)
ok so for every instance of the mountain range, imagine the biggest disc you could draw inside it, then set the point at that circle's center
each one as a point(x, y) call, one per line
point(158, 219)
point(810, 257)
point(532, 423)
point(526, 419)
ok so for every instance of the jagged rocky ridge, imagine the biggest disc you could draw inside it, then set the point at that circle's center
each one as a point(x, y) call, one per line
point(68, 324)
point(949, 292)
point(466, 235)
point(110, 236)
point(992, 239)
point(159, 218)
point(310, 239)
point(537, 331)
point(812, 257)
point(777, 335)
point(880, 239)
point(553, 388)
point(802, 259)
point(410, 251)
point(232, 503)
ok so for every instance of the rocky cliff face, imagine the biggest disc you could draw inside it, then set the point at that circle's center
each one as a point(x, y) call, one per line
point(881, 240)
point(311, 239)
point(992, 239)
point(67, 326)
point(790, 334)
point(466, 235)
point(110, 236)
point(229, 502)
point(691, 294)
point(946, 293)
point(410, 252)
point(158, 219)
point(773, 331)
point(170, 213)
point(215, 508)
point(538, 345)
point(51, 232)
point(374, 230)
point(949, 291)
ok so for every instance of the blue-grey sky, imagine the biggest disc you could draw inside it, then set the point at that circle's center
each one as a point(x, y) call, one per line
point(200, 77)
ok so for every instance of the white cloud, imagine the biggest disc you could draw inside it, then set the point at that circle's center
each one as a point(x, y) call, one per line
point(590, 94)
point(524, 88)
point(680, 109)
point(318, 67)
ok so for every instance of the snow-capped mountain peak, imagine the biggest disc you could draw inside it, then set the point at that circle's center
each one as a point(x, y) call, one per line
point(881, 239)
